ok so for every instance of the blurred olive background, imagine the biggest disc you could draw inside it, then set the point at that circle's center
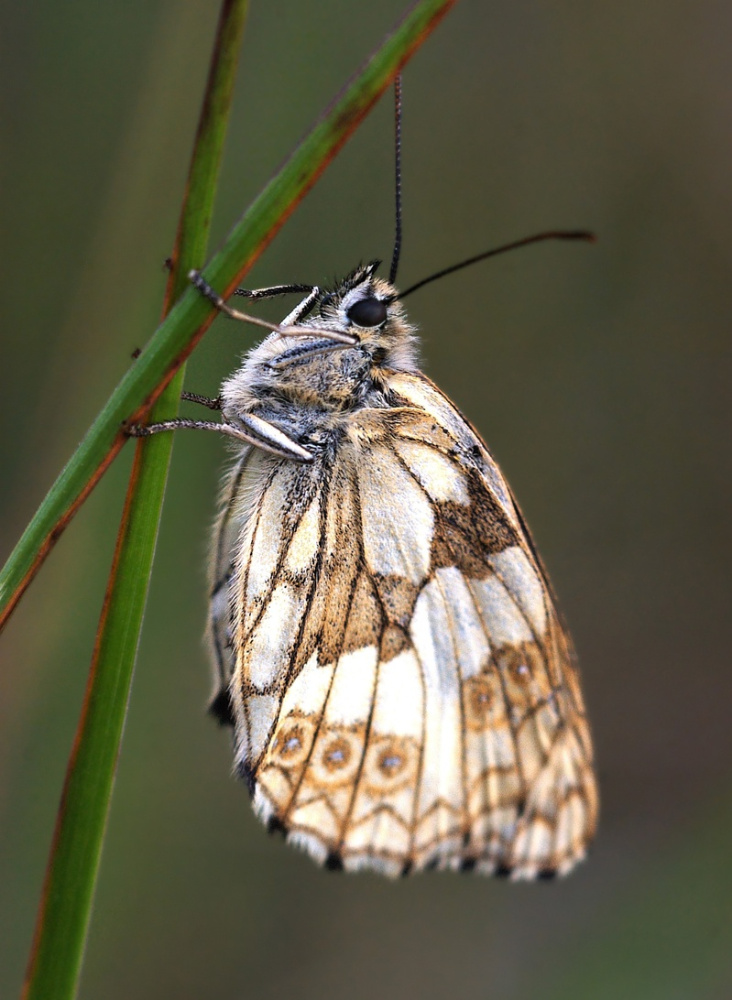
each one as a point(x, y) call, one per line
point(600, 376)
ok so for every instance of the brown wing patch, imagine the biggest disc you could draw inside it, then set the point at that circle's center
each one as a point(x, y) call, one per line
point(365, 618)
point(466, 535)
point(394, 640)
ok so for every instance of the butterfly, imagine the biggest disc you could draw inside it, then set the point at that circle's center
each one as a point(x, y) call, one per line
point(385, 641)
point(386, 645)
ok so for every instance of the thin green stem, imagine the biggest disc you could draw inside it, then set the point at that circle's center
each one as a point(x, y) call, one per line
point(186, 323)
point(63, 918)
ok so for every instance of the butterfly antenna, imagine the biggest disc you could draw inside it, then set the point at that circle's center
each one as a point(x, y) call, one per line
point(554, 234)
point(397, 178)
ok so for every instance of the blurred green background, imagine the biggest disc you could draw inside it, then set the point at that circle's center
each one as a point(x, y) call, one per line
point(599, 376)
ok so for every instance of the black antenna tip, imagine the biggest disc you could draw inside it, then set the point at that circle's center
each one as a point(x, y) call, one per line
point(576, 234)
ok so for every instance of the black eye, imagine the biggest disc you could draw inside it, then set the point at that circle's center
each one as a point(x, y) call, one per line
point(367, 312)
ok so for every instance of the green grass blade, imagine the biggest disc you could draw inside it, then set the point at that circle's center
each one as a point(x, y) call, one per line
point(64, 914)
point(176, 337)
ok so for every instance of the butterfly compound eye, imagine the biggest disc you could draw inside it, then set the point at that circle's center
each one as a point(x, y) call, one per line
point(367, 312)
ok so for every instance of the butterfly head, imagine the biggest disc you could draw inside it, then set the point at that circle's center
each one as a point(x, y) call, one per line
point(368, 308)
point(322, 374)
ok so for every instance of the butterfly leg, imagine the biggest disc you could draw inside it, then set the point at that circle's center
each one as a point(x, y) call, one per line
point(200, 283)
point(195, 397)
point(302, 308)
point(265, 432)
point(299, 312)
point(271, 291)
point(288, 327)
point(255, 431)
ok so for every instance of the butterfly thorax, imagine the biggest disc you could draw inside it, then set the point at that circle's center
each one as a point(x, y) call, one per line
point(310, 387)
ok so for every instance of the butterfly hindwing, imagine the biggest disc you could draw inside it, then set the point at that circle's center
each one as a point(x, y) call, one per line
point(405, 695)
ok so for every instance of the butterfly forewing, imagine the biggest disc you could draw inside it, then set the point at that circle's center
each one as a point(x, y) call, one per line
point(404, 692)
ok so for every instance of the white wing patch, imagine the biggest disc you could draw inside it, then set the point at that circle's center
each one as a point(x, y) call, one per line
point(397, 523)
point(303, 549)
point(398, 704)
point(352, 690)
point(404, 694)
point(272, 635)
point(308, 691)
point(261, 712)
point(266, 543)
point(426, 397)
point(501, 614)
point(470, 644)
point(513, 567)
point(440, 802)
point(440, 477)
